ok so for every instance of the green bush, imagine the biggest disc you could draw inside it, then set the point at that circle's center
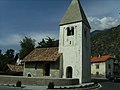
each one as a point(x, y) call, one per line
point(18, 84)
point(51, 85)
point(95, 83)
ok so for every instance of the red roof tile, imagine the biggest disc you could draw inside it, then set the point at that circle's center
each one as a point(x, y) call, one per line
point(101, 58)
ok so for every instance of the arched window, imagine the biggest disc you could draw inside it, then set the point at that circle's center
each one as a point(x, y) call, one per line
point(69, 72)
point(29, 75)
point(70, 31)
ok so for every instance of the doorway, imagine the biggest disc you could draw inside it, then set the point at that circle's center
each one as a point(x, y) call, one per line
point(29, 75)
point(47, 69)
point(69, 72)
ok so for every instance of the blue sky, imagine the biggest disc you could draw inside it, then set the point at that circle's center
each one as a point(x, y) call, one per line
point(40, 18)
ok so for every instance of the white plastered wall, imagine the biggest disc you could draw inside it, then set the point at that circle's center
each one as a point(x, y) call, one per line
point(72, 49)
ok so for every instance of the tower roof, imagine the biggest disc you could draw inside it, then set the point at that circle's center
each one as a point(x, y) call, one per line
point(74, 14)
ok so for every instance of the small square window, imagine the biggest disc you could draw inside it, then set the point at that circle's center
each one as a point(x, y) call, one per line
point(97, 73)
point(109, 66)
point(109, 73)
point(97, 66)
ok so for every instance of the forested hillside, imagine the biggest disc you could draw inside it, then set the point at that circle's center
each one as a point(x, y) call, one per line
point(106, 42)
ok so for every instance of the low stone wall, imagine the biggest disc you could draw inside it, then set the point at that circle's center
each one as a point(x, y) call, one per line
point(37, 81)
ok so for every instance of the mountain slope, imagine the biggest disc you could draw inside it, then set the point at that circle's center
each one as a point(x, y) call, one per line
point(106, 42)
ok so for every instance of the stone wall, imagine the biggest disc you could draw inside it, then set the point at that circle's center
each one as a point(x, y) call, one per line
point(29, 68)
point(37, 81)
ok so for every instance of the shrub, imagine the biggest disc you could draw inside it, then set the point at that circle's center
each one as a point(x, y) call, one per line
point(95, 83)
point(81, 86)
point(91, 85)
point(51, 85)
point(65, 87)
point(18, 84)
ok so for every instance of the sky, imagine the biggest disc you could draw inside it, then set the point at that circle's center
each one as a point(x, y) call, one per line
point(38, 19)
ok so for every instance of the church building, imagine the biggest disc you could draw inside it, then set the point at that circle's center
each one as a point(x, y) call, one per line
point(72, 58)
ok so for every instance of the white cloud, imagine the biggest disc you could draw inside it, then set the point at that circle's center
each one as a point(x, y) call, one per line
point(96, 24)
point(14, 39)
point(103, 23)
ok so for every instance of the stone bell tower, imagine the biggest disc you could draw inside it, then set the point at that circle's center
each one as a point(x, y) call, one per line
point(74, 43)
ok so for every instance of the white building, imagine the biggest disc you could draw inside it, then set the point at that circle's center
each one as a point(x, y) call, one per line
point(104, 66)
point(72, 58)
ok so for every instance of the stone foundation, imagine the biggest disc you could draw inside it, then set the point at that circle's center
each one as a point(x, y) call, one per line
point(37, 81)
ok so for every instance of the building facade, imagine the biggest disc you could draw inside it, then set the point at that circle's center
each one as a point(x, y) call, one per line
point(43, 62)
point(104, 67)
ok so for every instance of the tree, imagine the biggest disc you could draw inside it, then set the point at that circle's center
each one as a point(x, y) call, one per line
point(9, 53)
point(7, 58)
point(27, 45)
point(48, 42)
point(2, 59)
point(42, 43)
point(0, 51)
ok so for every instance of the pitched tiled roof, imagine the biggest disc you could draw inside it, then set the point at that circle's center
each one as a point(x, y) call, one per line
point(101, 58)
point(43, 54)
point(74, 14)
point(14, 68)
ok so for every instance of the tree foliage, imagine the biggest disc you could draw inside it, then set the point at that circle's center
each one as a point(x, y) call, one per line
point(27, 45)
point(48, 42)
point(106, 42)
point(9, 53)
point(7, 58)
point(0, 51)
point(2, 59)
